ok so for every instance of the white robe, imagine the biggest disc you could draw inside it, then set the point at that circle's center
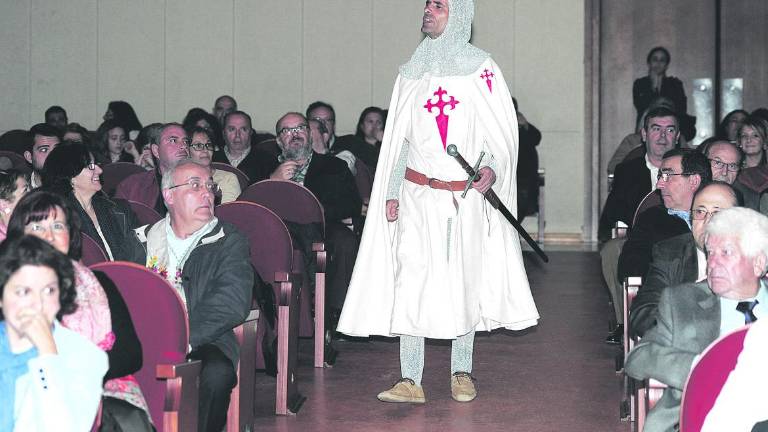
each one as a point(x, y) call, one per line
point(439, 271)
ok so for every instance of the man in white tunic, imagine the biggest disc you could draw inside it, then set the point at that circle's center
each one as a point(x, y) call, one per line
point(431, 263)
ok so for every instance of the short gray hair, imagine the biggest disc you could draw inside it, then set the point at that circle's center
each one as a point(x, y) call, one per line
point(749, 226)
point(167, 181)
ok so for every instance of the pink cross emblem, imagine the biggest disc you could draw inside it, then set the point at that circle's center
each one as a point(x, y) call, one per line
point(487, 75)
point(442, 118)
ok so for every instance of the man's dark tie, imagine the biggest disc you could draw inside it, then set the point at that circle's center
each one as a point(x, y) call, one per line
point(746, 307)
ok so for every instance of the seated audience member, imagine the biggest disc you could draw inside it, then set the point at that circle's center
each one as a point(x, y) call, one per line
point(325, 113)
point(224, 105)
point(238, 150)
point(329, 179)
point(728, 129)
point(56, 116)
point(752, 140)
point(633, 180)
point(13, 185)
point(198, 117)
point(201, 151)
point(691, 316)
point(319, 136)
point(726, 160)
point(527, 166)
point(149, 135)
point(101, 314)
point(72, 172)
point(123, 114)
point(43, 139)
point(682, 173)
point(679, 259)
point(75, 132)
point(761, 113)
point(741, 402)
point(207, 262)
point(171, 147)
point(370, 130)
point(113, 145)
point(50, 377)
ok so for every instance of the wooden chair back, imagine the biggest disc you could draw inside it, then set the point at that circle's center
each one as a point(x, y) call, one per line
point(92, 251)
point(242, 178)
point(144, 213)
point(115, 172)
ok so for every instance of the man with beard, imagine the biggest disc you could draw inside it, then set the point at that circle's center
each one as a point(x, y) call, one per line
point(329, 179)
point(434, 264)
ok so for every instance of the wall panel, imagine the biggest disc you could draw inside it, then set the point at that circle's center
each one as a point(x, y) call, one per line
point(14, 69)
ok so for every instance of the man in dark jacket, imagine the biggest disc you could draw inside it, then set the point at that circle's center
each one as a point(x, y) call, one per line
point(207, 262)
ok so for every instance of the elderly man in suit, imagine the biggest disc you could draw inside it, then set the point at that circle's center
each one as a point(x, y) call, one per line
point(633, 180)
point(681, 258)
point(693, 315)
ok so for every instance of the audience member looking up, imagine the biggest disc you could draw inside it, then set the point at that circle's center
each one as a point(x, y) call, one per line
point(71, 171)
point(691, 316)
point(101, 315)
point(56, 116)
point(207, 262)
point(13, 186)
point(239, 152)
point(679, 259)
point(324, 112)
point(201, 150)
point(224, 105)
point(43, 139)
point(123, 114)
point(170, 148)
point(113, 144)
point(51, 376)
point(319, 137)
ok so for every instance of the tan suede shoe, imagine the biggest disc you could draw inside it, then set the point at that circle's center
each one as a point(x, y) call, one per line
point(463, 387)
point(404, 390)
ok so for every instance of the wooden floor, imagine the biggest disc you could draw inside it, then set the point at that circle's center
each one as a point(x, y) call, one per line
point(557, 376)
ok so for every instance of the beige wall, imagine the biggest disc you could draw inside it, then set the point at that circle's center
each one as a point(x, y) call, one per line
point(165, 57)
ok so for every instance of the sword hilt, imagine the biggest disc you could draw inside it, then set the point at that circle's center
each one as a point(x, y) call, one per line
point(472, 172)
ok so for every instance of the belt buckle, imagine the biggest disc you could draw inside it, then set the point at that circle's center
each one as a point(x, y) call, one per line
point(438, 184)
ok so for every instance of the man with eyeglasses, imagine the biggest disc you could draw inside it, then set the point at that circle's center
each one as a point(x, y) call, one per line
point(349, 147)
point(682, 173)
point(167, 152)
point(329, 179)
point(681, 258)
point(207, 262)
point(727, 159)
point(633, 180)
point(238, 150)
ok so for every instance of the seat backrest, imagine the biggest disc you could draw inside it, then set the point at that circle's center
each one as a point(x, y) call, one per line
point(16, 161)
point(271, 249)
point(242, 178)
point(651, 200)
point(145, 214)
point(289, 200)
point(92, 251)
point(708, 377)
point(363, 179)
point(160, 321)
point(115, 172)
point(268, 146)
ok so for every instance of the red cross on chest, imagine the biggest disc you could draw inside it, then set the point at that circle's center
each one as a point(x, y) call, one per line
point(442, 118)
point(487, 75)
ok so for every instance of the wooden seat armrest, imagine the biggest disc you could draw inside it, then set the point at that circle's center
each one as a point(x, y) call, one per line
point(179, 370)
point(321, 256)
point(181, 395)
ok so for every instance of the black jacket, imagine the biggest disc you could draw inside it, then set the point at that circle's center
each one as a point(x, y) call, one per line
point(258, 165)
point(631, 183)
point(218, 285)
point(330, 180)
point(117, 222)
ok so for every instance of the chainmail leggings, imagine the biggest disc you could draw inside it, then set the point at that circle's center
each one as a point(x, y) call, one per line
point(412, 355)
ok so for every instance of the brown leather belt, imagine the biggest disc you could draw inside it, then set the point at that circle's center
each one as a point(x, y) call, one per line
point(421, 179)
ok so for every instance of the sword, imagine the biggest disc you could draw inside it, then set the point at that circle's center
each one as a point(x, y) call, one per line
point(494, 200)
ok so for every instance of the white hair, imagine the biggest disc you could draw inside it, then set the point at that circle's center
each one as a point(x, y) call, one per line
point(167, 181)
point(749, 226)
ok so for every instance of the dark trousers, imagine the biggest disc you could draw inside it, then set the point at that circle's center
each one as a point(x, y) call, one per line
point(342, 245)
point(217, 379)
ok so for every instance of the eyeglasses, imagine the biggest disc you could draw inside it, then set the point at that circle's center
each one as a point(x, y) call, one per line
point(700, 213)
point(323, 120)
point(197, 186)
point(92, 166)
point(201, 146)
point(292, 130)
point(716, 164)
point(665, 175)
